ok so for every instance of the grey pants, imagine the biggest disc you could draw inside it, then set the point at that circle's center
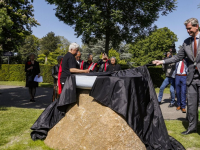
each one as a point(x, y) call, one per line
point(193, 91)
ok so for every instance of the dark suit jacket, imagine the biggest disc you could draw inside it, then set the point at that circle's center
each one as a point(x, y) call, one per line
point(187, 51)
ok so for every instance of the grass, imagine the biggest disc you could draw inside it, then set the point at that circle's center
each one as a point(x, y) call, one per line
point(166, 90)
point(191, 141)
point(15, 130)
point(20, 83)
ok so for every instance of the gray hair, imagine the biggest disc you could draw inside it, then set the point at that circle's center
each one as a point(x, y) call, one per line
point(193, 21)
point(114, 58)
point(73, 46)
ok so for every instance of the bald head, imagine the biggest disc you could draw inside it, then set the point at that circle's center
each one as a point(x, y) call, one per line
point(78, 56)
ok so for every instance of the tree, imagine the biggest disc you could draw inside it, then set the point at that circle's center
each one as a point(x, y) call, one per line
point(49, 43)
point(112, 52)
point(62, 49)
point(114, 20)
point(96, 49)
point(152, 47)
point(30, 45)
point(16, 20)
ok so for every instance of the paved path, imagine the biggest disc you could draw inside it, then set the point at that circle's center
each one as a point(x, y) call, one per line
point(15, 96)
point(171, 112)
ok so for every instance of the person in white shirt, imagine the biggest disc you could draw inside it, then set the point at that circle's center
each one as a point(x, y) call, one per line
point(180, 84)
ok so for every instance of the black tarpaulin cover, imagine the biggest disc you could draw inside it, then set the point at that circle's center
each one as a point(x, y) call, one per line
point(130, 93)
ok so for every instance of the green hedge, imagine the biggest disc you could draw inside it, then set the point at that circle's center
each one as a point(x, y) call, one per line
point(15, 72)
point(157, 75)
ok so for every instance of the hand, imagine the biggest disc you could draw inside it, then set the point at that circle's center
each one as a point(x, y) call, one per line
point(86, 70)
point(157, 62)
point(30, 68)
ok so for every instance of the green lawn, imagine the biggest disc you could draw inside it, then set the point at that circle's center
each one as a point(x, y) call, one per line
point(166, 90)
point(15, 130)
point(20, 83)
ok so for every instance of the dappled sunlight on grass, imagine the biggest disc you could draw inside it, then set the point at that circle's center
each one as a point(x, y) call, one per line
point(15, 130)
point(20, 83)
point(175, 127)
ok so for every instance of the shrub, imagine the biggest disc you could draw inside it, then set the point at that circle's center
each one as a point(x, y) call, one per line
point(16, 72)
point(157, 75)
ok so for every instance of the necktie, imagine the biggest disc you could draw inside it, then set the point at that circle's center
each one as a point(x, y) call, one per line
point(195, 47)
point(182, 67)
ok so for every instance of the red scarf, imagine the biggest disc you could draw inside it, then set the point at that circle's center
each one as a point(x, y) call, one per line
point(81, 67)
point(106, 65)
point(92, 66)
point(59, 75)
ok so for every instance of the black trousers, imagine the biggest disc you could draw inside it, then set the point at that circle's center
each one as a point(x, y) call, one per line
point(193, 92)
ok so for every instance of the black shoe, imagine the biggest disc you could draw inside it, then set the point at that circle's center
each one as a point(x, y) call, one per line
point(171, 105)
point(189, 132)
point(159, 103)
point(32, 100)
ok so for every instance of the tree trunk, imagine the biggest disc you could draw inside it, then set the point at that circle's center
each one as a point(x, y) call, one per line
point(107, 41)
point(107, 27)
point(45, 60)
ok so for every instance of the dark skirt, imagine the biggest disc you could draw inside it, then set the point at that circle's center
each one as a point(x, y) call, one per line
point(30, 82)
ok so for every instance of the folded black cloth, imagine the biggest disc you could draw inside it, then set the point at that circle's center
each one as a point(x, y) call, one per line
point(135, 99)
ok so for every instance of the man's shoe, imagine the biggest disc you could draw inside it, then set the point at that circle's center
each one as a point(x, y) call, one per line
point(178, 108)
point(32, 100)
point(183, 110)
point(189, 132)
point(171, 105)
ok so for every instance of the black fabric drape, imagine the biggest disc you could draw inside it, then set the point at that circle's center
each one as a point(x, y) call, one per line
point(130, 93)
point(55, 111)
point(135, 99)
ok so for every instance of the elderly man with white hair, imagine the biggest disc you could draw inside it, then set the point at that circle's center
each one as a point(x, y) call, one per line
point(69, 64)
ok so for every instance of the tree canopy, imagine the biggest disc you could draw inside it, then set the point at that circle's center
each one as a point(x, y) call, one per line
point(114, 20)
point(152, 47)
point(31, 45)
point(16, 20)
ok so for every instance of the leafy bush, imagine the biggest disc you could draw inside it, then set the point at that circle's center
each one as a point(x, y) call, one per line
point(15, 72)
point(157, 75)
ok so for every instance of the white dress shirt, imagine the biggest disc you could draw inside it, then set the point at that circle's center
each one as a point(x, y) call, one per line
point(179, 68)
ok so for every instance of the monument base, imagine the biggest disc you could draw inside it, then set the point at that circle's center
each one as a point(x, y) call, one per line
point(92, 126)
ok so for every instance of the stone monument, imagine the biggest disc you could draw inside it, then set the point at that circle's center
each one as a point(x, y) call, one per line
point(89, 125)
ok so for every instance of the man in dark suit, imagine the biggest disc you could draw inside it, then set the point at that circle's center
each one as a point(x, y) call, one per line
point(79, 61)
point(191, 50)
